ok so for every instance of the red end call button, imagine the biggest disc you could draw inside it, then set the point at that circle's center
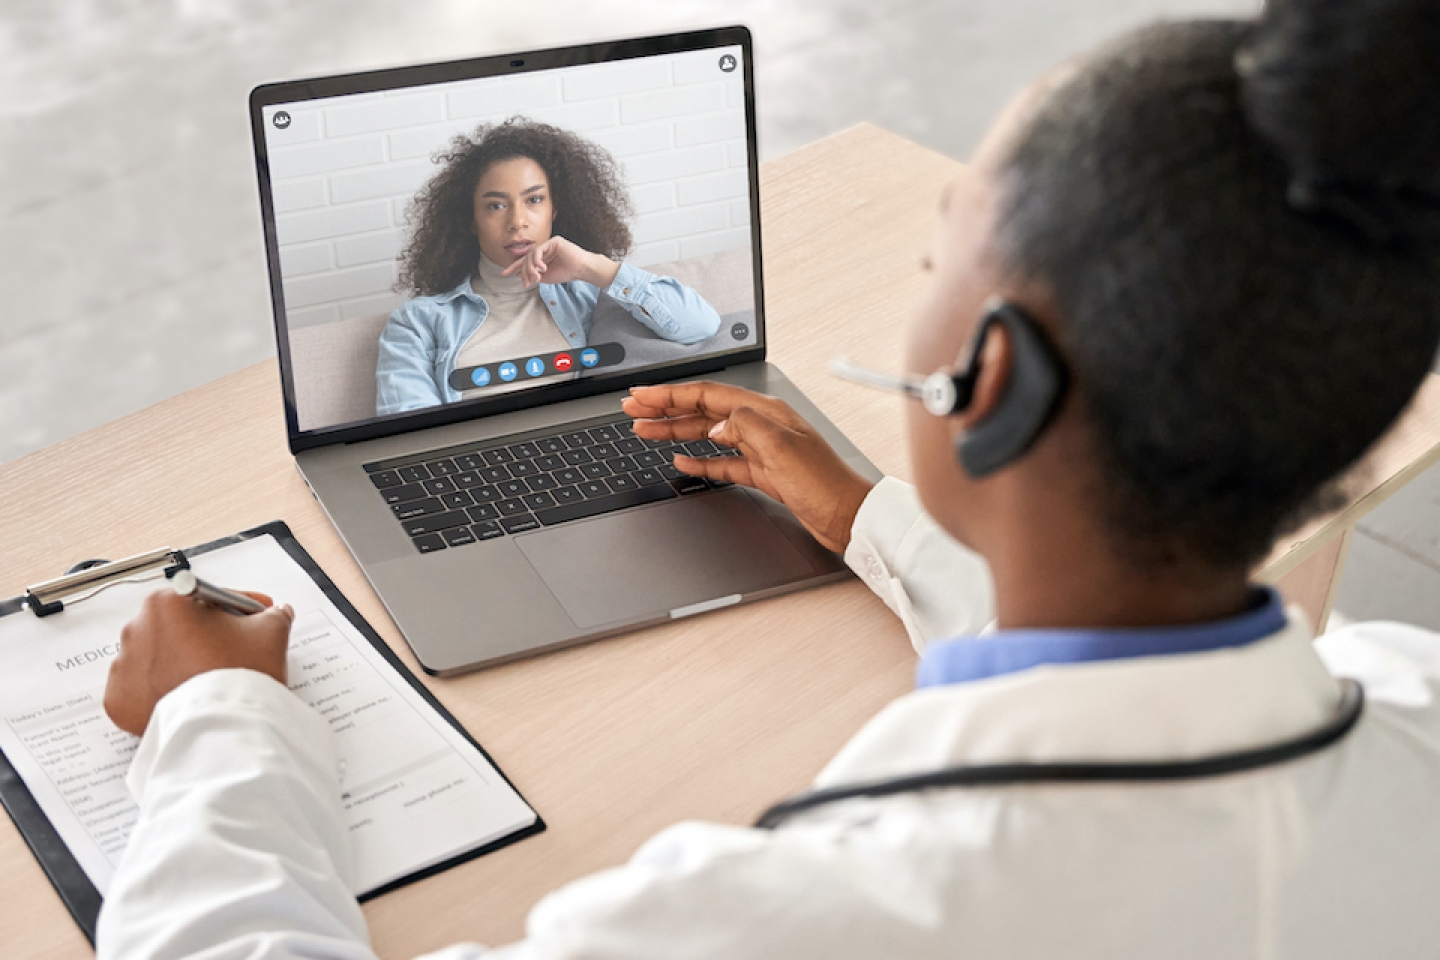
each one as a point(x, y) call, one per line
point(563, 362)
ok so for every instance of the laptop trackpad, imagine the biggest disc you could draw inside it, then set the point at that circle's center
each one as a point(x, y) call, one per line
point(643, 562)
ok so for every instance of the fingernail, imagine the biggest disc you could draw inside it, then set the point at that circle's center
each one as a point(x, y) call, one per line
point(718, 429)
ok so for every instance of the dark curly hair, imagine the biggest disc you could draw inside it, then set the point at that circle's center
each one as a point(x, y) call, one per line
point(586, 188)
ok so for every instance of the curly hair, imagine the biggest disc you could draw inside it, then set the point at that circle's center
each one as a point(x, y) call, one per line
point(586, 188)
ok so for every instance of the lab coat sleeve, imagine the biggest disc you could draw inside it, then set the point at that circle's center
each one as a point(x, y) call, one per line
point(240, 850)
point(938, 588)
point(664, 304)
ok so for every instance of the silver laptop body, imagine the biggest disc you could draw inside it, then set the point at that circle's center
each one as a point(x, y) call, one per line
point(499, 504)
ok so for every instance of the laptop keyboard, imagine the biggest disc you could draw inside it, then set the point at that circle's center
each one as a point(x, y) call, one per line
point(464, 494)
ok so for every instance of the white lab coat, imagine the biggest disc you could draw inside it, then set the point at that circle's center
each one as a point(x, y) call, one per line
point(239, 850)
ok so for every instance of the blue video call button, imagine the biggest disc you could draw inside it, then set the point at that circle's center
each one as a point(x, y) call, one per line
point(589, 357)
point(480, 376)
point(534, 366)
point(508, 371)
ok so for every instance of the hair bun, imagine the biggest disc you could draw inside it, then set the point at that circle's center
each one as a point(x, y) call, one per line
point(1348, 92)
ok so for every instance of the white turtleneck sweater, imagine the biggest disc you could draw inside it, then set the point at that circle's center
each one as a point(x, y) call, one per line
point(518, 325)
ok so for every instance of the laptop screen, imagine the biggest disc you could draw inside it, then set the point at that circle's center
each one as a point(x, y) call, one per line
point(438, 242)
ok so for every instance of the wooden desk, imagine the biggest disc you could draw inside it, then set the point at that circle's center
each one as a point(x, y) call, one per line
point(709, 718)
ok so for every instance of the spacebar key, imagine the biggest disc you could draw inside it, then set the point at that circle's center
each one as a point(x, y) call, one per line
point(592, 508)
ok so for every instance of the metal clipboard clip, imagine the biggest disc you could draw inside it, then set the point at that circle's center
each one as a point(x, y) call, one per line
point(93, 576)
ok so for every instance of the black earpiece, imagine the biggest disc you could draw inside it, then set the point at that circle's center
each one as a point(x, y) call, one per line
point(1031, 395)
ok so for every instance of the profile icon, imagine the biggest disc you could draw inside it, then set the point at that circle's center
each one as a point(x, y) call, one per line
point(282, 118)
point(728, 63)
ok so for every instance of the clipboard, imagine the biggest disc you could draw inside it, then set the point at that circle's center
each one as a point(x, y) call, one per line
point(64, 871)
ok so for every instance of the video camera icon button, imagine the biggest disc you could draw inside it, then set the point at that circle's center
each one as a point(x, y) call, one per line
point(589, 357)
point(508, 371)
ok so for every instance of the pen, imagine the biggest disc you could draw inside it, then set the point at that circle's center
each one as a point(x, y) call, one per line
point(187, 584)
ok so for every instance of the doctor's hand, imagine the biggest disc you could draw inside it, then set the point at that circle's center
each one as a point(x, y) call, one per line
point(557, 260)
point(174, 638)
point(783, 456)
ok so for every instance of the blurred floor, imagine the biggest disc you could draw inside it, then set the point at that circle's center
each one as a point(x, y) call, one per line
point(130, 247)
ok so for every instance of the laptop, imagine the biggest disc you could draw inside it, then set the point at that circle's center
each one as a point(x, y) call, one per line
point(462, 428)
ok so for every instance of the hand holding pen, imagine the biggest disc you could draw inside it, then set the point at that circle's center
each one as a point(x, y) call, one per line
point(179, 636)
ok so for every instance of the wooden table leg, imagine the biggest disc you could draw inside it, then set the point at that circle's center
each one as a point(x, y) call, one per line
point(1313, 582)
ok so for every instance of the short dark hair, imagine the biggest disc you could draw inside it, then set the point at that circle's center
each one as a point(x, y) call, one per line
point(586, 189)
point(1233, 350)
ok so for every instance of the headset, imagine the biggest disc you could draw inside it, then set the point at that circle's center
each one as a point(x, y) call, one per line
point(1032, 393)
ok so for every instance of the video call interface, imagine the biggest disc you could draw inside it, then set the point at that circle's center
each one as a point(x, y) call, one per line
point(453, 242)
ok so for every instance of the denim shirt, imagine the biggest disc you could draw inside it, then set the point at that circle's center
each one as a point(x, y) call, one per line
point(423, 336)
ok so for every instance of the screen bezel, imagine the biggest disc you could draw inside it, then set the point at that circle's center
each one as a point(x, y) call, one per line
point(297, 91)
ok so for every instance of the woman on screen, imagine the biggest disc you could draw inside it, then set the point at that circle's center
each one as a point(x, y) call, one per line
point(514, 241)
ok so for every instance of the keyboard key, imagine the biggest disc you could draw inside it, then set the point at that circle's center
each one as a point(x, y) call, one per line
point(385, 478)
point(442, 468)
point(484, 511)
point(495, 474)
point(622, 484)
point(543, 482)
point(414, 474)
point(525, 451)
point(729, 452)
point(648, 459)
point(511, 508)
point(655, 444)
point(514, 488)
point(575, 457)
point(568, 495)
point(690, 484)
point(594, 471)
point(523, 468)
point(621, 464)
point(467, 480)
point(569, 476)
point(410, 491)
point(485, 494)
point(457, 500)
point(606, 434)
point(437, 487)
point(539, 501)
point(455, 536)
point(487, 530)
point(701, 448)
point(520, 524)
point(417, 508)
point(470, 461)
point(497, 456)
point(604, 451)
point(629, 444)
point(647, 478)
point(439, 521)
point(594, 488)
point(429, 543)
point(616, 501)
point(581, 439)
point(552, 445)
point(549, 462)
point(669, 472)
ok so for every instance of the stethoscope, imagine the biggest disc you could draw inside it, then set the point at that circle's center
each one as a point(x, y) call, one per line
point(1347, 713)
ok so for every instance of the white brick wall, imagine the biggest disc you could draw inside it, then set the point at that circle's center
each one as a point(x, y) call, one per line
point(344, 170)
